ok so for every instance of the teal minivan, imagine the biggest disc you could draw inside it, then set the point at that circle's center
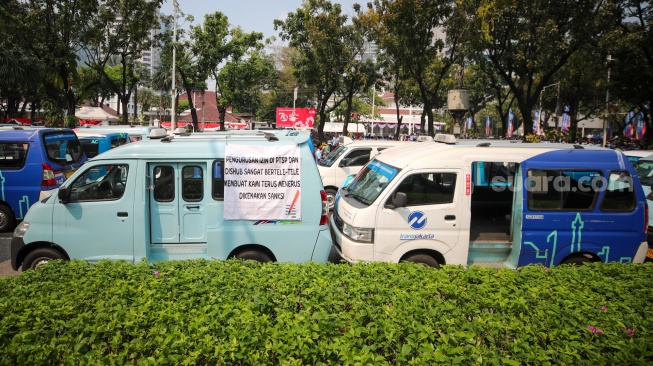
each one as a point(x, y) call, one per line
point(250, 196)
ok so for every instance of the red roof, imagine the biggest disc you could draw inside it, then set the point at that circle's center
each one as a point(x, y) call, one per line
point(210, 113)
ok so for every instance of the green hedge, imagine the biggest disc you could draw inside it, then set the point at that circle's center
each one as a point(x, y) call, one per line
point(244, 313)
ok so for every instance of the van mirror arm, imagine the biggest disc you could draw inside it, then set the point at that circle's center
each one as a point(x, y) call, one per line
point(63, 195)
point(399, 200)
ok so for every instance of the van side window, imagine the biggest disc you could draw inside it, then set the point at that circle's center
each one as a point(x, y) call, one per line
point(619, 193)
point(192, 183)
point(428, 188)
point(13, 155)
point(217, 180)
point(100, 182)
point(164, 183)
point(572, 190)
point(357, 157)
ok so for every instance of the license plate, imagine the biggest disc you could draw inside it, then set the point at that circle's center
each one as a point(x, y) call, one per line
point(649, 254)
point(68, 173)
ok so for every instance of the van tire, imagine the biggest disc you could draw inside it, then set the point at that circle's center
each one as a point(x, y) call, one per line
point(331, 197)
point(424, 259)
point(7, 219)
point(254, 255)
point(40, 257)
point(577, 259)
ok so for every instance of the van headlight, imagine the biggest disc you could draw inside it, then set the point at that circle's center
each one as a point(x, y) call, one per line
point(359, 234)
point(21, 229)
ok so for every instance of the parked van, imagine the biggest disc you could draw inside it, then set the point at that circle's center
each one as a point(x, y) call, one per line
point(348, 158)
point(423, 204)
point(635, 155)
point(136, 133)
point(644, 170)
point(97, 142)
point(246, 196)
point(34, 162)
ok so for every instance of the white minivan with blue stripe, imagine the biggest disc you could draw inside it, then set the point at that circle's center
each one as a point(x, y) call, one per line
point(250, 196)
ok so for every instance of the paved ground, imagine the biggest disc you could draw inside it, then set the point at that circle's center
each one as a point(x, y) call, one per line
point(5, 263)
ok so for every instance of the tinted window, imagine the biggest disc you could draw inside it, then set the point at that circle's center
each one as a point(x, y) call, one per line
point(164, 183)
point(428, 188)
point(619, 193)
point(13, 155)
point(217, 180)
point(192, 186)
point(563, 189)
point(100, 182)
point(63, 147)
point(358, 157)
point(91, 147)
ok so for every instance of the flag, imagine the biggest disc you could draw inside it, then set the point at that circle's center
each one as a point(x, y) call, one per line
point(628, 123)
point(511, 116)
point(566, 119)
point(640, 125)
point(536, 122)
point(488, 126)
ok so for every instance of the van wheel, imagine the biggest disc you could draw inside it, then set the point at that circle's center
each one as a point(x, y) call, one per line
point(577, 259)
point(7, 219)
point(254, 255)
point(331, 197)
point(424, 259)
point(40, 257)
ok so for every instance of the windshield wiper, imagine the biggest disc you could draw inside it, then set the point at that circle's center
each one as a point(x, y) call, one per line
point(357, 198)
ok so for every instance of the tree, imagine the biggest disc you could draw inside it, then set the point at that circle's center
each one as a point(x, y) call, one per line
point(214, 45)
point(630, 46)
point(528, 43)
point(409, 32)
point(245, 80)
point(123, 29)
point(320, 36)
point(54, 30)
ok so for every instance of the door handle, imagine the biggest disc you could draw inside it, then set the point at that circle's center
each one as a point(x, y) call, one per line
point(193, 207)
point(450, 217)
point(123, 214)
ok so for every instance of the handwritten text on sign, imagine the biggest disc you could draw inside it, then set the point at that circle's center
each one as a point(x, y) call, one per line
point(262, 183)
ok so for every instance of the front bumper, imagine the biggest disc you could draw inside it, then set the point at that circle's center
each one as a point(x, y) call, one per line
point(17, 244)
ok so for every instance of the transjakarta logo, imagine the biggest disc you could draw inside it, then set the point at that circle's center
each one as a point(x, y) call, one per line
point(417, 220)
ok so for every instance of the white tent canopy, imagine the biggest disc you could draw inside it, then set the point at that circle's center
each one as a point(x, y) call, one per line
point(337, 127)
point(94, 113)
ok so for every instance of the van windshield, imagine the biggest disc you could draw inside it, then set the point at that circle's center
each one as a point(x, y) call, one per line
point(644, 170)
point(333, 156)
point(370, 182)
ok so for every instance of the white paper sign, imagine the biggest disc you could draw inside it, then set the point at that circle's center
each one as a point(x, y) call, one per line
point(262, 182)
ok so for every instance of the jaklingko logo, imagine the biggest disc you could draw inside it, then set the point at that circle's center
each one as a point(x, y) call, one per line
point(563, 183)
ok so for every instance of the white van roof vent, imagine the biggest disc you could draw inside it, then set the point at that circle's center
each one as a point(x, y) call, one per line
point(424, 139)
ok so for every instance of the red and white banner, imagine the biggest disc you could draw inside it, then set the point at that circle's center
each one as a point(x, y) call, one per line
point(295, 117)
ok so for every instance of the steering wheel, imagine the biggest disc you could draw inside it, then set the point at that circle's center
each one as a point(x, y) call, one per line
point(106, 187)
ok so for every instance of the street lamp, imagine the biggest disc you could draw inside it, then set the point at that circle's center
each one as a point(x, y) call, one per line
point(174, 48)
point(539, 116)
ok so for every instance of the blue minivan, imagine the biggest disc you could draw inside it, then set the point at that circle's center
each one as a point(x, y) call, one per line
point(96, 143)
point(34, 162)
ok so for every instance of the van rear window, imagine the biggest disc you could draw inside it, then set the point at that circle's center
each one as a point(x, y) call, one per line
point(13, 155)
point(91, 147)
point(63, 147)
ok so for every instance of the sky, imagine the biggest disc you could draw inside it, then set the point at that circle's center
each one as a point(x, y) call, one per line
point(251, 15)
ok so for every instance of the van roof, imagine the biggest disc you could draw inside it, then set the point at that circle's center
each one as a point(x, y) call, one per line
point(20, 133)
point(417, 156)
point(189, 147)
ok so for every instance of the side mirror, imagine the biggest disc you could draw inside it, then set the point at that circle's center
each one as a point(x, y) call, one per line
point(64, 194)
point(400, 200)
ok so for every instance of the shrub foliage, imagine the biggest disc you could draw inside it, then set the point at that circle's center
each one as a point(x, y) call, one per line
point(245, 313)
